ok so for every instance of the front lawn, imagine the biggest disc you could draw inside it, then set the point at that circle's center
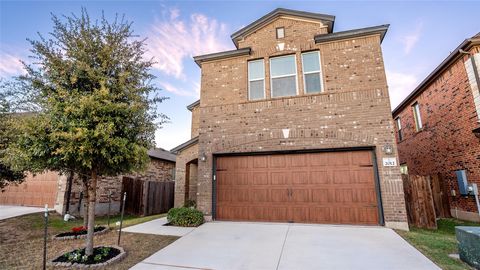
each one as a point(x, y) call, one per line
point(438, 244)
point(21, 240)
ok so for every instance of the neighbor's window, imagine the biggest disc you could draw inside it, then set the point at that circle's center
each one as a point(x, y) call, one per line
point(283, 73)
point(403, 169)
point(312, 77)
point(280, 32)
point(399, 128)
point(417, 116)
point(256, 79)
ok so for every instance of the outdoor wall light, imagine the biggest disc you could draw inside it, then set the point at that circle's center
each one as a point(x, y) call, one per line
point(203, 157)
point(388, 149)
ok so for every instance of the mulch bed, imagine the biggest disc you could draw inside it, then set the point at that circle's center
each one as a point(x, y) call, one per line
point(115, 253)
point(80, 234)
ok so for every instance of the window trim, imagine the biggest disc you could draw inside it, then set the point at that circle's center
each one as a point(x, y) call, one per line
point(398, 123)
point(283, 76)
point(254, 80)
point(276, 32)
point(417, 116)
point(320, 71)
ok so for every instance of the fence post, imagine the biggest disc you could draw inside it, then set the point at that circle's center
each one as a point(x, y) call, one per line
point(121, 217)
point(45, 238)
point(109, 207)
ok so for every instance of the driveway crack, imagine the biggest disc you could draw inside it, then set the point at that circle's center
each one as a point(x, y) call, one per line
point(283, 246)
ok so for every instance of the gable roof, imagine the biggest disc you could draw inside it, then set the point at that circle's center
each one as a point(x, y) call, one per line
point(452, 57)
point(184, 145)
point(329, 20)
point(380, 29)
point(160, 153)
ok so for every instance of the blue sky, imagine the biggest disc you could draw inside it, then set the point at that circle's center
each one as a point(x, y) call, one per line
point(421, 35)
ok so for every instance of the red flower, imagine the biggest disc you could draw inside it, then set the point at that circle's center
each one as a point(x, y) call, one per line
point(78, 229)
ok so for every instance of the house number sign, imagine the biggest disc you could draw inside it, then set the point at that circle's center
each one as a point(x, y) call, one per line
point(389, 162)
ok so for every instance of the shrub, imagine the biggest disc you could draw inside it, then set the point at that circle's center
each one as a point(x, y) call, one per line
point(185, 217)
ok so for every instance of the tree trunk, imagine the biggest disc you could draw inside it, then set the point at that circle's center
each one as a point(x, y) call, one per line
point(85, 200)
point(92, 195)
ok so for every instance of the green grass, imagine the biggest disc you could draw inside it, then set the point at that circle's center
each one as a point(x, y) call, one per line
point(56, 221)
point(437, 244)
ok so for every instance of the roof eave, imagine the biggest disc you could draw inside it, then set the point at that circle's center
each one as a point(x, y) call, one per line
point(374, 30)
point(221, 55)
point(193, 105)
point(184, 145)
point(465, 45)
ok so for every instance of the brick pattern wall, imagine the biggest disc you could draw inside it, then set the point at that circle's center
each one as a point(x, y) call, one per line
point(186, 155)
point(353, 111)
point(195, 121)
point(446, 142)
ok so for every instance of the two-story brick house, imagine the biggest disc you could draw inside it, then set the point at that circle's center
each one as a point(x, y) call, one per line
point(294, 126)
point(438, 126)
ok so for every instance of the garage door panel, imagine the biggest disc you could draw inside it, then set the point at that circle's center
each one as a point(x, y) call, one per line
point(328, 187)
point(278, 161)
point(321, 195)
point(279, 195)
point(260, 178)
point(279, 177)
point(319, 177)
point(260, 161)
point(300, 177)
point(299, 195)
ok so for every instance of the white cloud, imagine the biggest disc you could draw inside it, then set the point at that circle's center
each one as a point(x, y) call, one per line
point(400, 85)
point(409, 40)
point(10, 65)
point(179, 91)
point(173, 40)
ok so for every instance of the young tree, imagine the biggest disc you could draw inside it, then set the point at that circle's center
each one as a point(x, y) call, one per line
point(8, 174)
point(97, 114)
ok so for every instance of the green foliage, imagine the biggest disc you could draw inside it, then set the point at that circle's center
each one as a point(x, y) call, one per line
point(93, 85)
point(8, 173)
point(438, 244)
point(185, 217)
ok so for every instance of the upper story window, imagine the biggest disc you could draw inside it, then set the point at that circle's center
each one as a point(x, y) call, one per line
point(256, 79)
point(417, 116)
point(399, 128)
point(280, 32)
point(283, 73)
point(311, 72)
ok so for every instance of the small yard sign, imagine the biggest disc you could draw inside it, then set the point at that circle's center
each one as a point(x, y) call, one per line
point(389, 162)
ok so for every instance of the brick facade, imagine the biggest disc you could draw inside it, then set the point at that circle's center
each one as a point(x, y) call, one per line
point(353, 110)
point(157, 170)
point(446, 143)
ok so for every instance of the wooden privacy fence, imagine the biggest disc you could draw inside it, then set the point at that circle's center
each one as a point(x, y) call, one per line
point(426, 200)
point(147, 197)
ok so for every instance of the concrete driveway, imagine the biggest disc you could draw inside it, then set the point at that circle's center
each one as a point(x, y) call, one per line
point(8, 211)
point(239, 245)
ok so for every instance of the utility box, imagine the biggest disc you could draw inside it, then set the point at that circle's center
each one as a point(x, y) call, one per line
point(462, 182)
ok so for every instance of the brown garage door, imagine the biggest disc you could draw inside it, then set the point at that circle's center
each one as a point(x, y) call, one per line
point(36, 190)
point(327, 187)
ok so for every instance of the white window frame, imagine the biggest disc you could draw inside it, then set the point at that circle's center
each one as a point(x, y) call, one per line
point(283, 76)
point(322, 89)
point(417, 116)
point(254, 80)
point(276, 32)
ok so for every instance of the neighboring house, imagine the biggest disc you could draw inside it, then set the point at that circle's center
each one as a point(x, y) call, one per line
point(294, 126)
point(438, 128)
point(161, 168)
